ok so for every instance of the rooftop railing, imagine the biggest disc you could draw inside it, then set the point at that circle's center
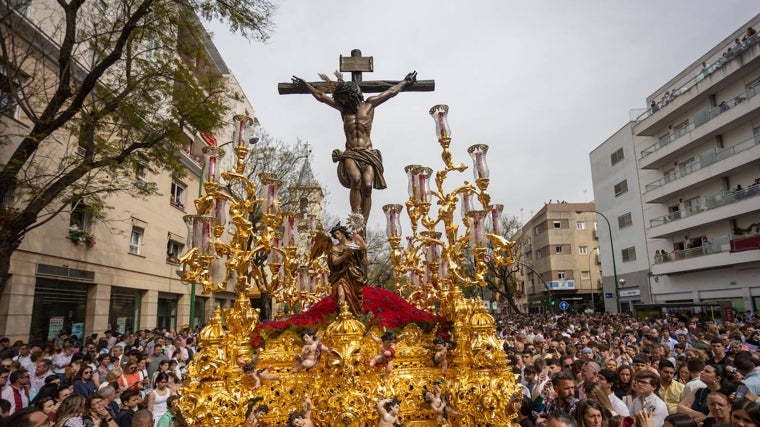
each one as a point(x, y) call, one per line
point(701, 75)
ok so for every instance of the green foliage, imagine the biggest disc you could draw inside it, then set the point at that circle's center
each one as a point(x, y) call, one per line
point(127, 82)
point(253, 19)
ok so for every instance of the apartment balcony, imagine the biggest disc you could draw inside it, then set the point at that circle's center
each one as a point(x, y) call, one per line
point(704, 124)
point(717, 254)
point(715, 207)
point(711, 163)
point(718, 74)
point(192, 163)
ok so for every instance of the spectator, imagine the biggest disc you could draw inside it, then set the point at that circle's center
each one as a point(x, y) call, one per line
point(5, 409)
point(18, 391)
point(695, 366)
point(142, 418)
point(591, 413)
point(62, 360)
point(695, 404)
point(71, 407)
point(83, 383)
point(130, 400)
point(30, 417)
point(671, 392)
point(645, 384)
point(563, 385)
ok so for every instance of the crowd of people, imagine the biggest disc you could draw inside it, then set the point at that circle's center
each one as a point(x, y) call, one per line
point(118, 380)
point(607, 370)
point(600, 370)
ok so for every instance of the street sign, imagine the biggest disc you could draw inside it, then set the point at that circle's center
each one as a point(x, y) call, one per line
point(564, 305)
point(608, 294)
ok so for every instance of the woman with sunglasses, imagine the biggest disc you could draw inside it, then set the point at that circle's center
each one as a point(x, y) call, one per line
point(83, 382)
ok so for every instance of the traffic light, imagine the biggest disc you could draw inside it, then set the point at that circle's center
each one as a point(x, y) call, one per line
point(553, 303)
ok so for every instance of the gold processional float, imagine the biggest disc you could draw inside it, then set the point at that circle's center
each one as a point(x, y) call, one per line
point(450, 370)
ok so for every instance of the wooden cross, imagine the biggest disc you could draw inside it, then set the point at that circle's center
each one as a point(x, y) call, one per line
point(357, 64)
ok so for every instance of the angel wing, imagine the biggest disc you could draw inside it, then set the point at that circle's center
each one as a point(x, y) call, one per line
point(322, 244)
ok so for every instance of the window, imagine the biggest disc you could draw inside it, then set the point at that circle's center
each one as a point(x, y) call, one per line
point(617, 156)
point(561, 275)
point(9, 94)
point(173, 251)
point(629, 254)
point(557, 224)
point(303, 207)
point(177, 197)
point(621, 187)
point(693, 204)
point(625, 220)
point(583, 250)
point(135, 240)
point(585, 275)
point(580, 225)
point(537, 230)
point(558, 249)
point(141, 171)
point(539, 253)
point(80, 217)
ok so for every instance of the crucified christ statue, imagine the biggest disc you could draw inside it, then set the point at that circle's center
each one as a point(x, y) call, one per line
point(360, 166)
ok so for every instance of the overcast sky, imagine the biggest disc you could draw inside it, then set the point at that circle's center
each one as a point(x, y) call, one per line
point(542, 83)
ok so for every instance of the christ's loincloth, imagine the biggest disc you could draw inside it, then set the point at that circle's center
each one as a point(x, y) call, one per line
point(364, 157)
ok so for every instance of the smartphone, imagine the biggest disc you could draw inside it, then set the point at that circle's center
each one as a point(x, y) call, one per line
point(740, 392)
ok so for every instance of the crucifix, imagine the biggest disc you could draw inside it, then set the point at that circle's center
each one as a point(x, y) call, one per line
point(360, 166)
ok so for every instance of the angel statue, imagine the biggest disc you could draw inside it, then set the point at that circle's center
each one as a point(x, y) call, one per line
point(346, 261)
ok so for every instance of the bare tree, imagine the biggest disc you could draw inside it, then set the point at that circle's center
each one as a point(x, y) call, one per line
point(102, 89)
point(500, 280)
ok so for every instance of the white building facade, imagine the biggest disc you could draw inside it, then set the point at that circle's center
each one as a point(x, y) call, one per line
point(616, 183)
point(696, 155)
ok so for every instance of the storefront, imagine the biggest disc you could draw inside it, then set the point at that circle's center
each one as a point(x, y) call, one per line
point(58, 305)
point(166, 315)
point(124, 312)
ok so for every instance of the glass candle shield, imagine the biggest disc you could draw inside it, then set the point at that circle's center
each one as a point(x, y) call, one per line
point(478, 154)
point(439, 114)
point(392, 220)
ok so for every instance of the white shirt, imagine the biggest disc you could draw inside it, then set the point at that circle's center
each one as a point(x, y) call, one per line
point(693, 385)
point(618, 405)
point(659, 409)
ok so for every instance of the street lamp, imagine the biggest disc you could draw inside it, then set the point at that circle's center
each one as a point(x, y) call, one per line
point(612, 249)
point(591, 279)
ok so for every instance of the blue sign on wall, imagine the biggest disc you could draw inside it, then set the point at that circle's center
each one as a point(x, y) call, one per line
point(608, 294)
point(564, 305)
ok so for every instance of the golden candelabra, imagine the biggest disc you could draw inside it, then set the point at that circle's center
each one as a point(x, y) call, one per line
point(343, 389)
point(429, 267)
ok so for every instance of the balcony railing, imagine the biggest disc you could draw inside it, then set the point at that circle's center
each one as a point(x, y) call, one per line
point(700, 118)
point(705, 159)
point(701, 75)
point(717, 245)
point(712, 201)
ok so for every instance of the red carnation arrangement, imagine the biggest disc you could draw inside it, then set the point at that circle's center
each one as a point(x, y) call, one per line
point(383, 309)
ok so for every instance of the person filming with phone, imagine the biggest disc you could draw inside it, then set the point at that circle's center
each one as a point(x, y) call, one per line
point(645, 383)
